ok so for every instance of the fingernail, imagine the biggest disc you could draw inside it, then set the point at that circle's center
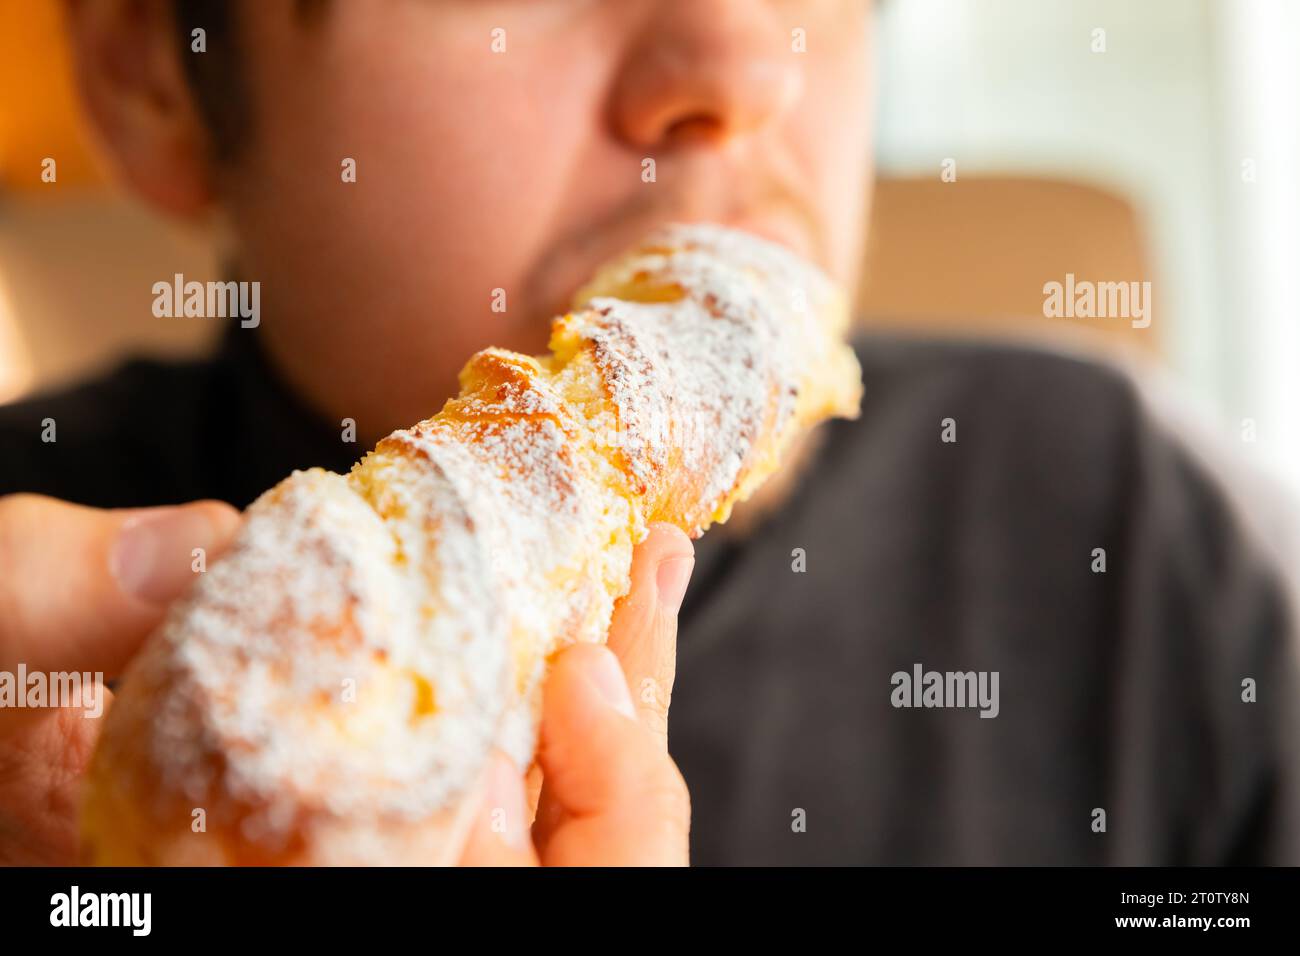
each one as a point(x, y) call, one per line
point(506, 803)
point(153, 557)
point(671, 580)
point(606, 673)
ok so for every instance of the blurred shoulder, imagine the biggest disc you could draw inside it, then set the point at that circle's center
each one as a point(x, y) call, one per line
point(86, 440)
point(1105, 424)
point(1015, 412)
point(993, 372)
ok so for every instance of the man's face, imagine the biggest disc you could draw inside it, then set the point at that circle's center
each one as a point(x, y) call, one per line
point(521, 168)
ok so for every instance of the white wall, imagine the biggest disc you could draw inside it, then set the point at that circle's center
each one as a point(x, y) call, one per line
point(1260, 238)
point(1185, 90)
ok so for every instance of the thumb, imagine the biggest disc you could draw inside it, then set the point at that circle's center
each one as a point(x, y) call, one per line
point(499, 834)
point(80, 587)
point(643, 631)
point(613, 796)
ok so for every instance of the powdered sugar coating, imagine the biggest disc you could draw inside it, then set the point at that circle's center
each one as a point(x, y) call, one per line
point(729, 345)
point(440, 575)
point(292, 672)
point(692, 399)
point(536, 493)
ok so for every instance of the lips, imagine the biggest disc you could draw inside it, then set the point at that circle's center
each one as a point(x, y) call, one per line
point(572, 261)
point(782, 230)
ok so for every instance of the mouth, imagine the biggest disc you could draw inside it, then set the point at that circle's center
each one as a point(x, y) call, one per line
point(574, 261)
point(779, 228)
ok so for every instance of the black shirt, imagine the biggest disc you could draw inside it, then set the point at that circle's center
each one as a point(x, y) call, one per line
point(1119, 691)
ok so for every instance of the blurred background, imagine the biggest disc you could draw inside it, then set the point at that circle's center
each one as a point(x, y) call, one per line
point(1019, 141)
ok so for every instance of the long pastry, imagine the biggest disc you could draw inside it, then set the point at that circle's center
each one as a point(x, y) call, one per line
point(330, 688)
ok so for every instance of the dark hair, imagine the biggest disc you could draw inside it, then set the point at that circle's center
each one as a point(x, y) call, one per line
point(216, 77)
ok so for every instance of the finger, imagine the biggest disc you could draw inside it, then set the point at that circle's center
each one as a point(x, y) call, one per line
point(42, 760)
point(80, 587)
point(613, 796)
point(643, 635)
point(533, 788)
point(499, 834)
point(643, 632)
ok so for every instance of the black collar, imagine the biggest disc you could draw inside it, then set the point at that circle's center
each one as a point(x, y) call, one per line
point(271, 431)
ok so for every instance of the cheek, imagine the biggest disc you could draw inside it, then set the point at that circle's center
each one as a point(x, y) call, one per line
point(833, 135)
point(461, 159)
point(464, 180)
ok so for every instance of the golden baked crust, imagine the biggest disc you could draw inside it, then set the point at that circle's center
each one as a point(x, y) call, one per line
point(329, 690)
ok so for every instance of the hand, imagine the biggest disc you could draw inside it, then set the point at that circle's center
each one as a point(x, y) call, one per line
point(80, 588)
point(610, 794)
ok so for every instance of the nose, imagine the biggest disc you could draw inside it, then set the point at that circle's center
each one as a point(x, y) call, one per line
point(708, 71)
